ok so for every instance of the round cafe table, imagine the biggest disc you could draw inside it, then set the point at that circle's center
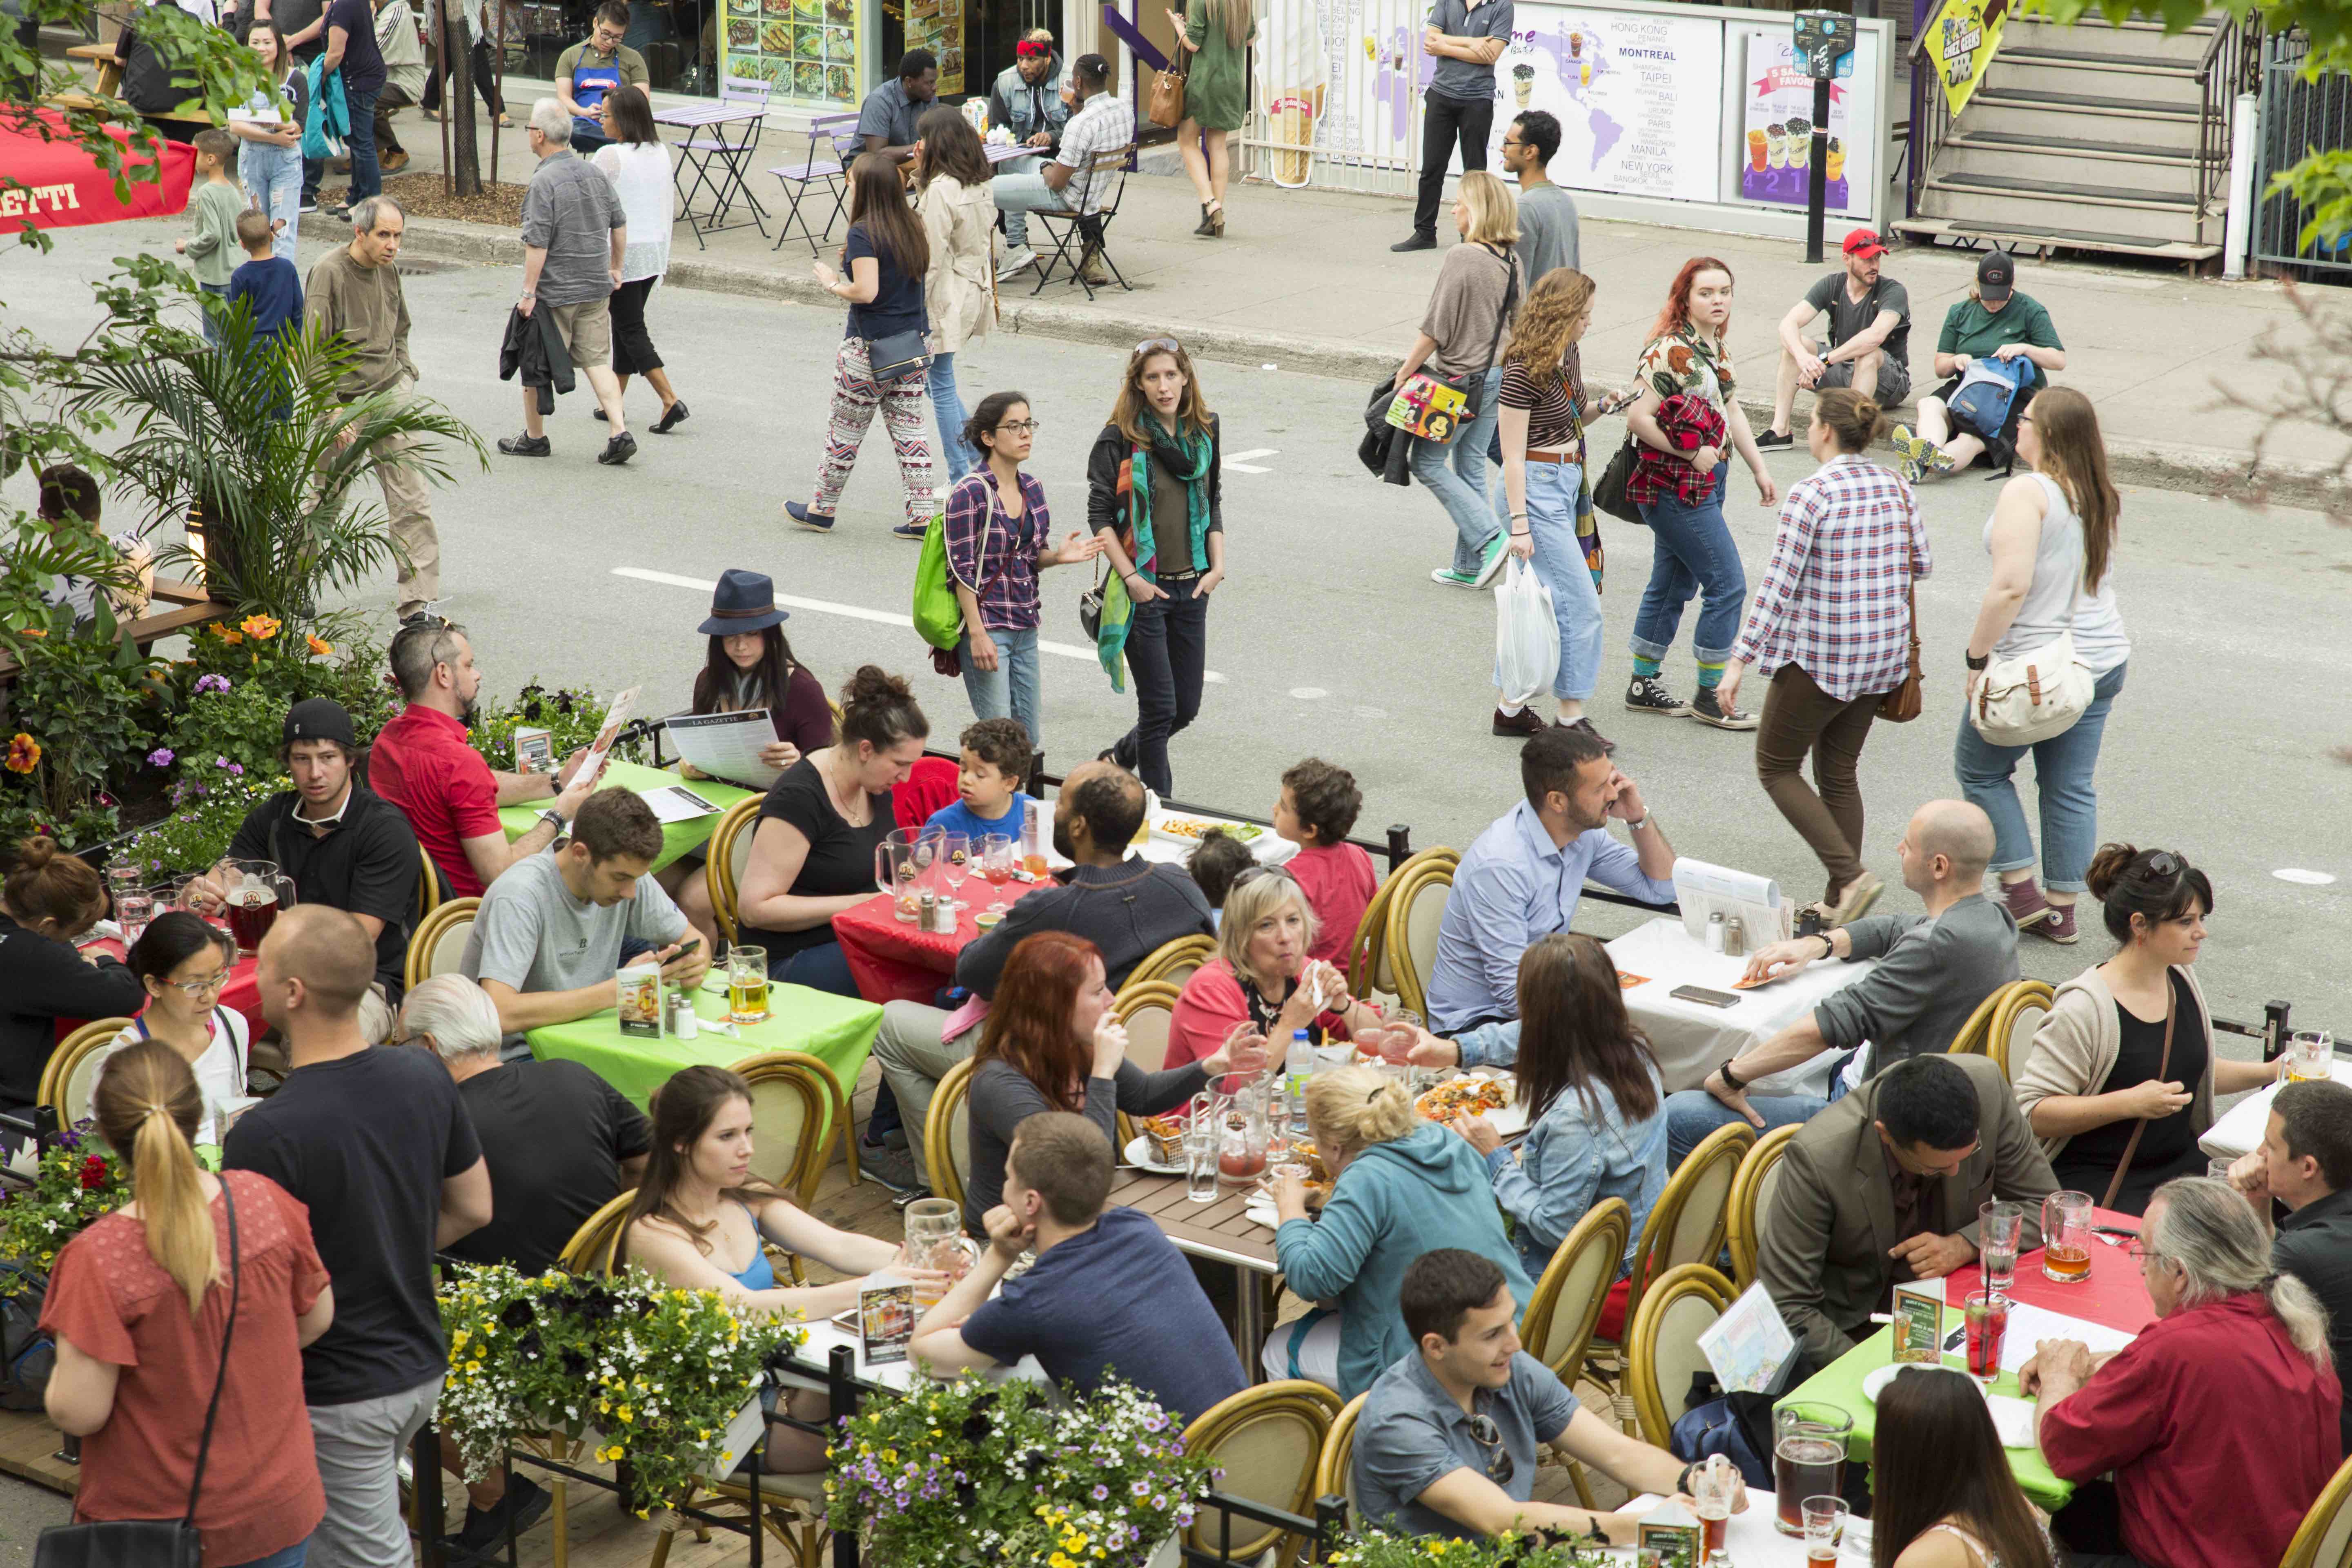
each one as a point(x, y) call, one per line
point(891, 961)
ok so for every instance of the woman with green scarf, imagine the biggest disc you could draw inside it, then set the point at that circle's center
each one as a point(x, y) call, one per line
point(1154, 489)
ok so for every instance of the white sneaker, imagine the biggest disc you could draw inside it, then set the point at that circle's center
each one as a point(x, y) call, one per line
point(1018, 260)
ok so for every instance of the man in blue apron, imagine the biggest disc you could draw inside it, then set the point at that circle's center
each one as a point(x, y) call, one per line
point(586, 72)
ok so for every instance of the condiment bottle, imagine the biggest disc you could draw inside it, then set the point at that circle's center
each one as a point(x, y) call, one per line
point(1735, 938)
point(1714, 931)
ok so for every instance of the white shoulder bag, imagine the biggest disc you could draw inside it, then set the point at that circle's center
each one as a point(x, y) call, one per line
point(2034, 695)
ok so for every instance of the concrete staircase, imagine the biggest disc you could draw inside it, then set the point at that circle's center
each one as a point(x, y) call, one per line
point(2093, 137)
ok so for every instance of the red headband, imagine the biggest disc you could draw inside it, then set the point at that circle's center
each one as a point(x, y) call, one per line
point(1029, 51)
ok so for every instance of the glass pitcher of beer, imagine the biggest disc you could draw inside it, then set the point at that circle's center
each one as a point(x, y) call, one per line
point(747, 985)
point(252, 893)
point(2066, 1237)
point(895, 871)
point(935, 1240)
point(1808, 1440)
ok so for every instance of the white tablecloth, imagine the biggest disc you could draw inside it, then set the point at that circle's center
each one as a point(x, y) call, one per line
point(2239, 1129)
point(1690, 1039)
point(1268, 848)
point(1754, 1541)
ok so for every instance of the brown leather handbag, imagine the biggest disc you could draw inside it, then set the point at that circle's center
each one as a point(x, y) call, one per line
point(1167, 106)
point(1901, 705)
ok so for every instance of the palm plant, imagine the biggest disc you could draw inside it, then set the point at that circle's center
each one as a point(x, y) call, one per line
point(253, 443)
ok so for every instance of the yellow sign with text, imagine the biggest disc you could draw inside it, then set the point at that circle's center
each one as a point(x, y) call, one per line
point(1966, 36)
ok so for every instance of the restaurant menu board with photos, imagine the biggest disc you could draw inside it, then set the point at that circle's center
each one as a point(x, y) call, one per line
point(807, 47)
point(1776, 131)
point(1638, 97)
point(937, 25)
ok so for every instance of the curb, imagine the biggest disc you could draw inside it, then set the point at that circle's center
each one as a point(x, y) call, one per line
point(2206, 470)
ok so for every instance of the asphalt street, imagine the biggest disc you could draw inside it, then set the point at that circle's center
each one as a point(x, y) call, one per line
point(1330, 639)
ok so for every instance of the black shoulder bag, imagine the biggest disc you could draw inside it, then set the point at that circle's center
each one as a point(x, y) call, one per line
point(151, 1543)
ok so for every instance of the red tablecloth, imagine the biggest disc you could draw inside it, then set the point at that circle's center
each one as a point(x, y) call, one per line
point(2113, 1296)
point(893, 962)
point(241, 994)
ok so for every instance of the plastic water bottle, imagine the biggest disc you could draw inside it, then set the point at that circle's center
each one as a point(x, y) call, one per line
point(1301, 1065)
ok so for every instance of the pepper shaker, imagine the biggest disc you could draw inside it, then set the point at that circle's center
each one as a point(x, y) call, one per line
point(1735, 938)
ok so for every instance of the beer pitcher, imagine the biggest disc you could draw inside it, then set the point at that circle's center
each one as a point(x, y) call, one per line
point(895, 871)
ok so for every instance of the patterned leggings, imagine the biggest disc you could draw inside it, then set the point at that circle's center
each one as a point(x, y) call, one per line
point(855, 398)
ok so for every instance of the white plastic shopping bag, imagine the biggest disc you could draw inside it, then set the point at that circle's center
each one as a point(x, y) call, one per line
point(1527, 635)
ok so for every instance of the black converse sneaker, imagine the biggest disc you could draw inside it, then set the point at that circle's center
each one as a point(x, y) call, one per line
point(1647, 694)
point(1707, 710)
point(1771, 440)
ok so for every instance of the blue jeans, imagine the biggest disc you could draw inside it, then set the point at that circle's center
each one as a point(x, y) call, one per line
point(1012, 689)
point(1167, 654)
point(292, 1557)
point(823, 967)
point(947, 402)
point(1018, 195)
point(367, 175)
point(1693, 1114)
point(1455, 473)
point(2064, 774)
point(1560, 566)
point(219, 291)
point(272, 177)
point(1692, 553)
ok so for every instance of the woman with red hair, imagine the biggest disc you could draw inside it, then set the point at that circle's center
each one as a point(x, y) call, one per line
point(1683, 417)
point(1050, 1044)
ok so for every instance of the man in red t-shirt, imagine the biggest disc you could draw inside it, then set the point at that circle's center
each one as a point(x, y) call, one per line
point(422, 762)
point(1318, 808)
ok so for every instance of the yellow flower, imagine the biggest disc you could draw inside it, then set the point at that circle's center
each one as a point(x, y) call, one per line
point(260, 628)
point(32, 632)
point(24, 753)
point(319, 645)
point(221, 630)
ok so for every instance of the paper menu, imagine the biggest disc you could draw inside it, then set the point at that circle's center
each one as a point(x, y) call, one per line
point(725, 745)
point(1701, 890)
point(1748, 1344)
point(677, 803)
point(2029, 1326)
point(615, 717)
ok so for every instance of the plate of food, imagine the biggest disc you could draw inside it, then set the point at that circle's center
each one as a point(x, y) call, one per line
point(1158, 1145)
point(1490, 1095)
point(1188, 829)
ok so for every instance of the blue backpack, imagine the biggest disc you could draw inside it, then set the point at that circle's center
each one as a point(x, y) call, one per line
point(1988, 389)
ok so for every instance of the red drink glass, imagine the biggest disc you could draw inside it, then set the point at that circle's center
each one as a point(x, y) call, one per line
point(1986, 1316)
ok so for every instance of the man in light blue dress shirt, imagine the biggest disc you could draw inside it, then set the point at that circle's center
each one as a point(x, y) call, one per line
point(1524, 875)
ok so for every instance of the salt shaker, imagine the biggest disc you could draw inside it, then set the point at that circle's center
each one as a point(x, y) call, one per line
point(927, 911)
point(683, 1022)
point(1735, 938)
point(1714, 931)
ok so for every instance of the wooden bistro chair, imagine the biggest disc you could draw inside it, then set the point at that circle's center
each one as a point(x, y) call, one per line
point(729, 853)
point(71, 1073)
point(1416, 910)
point(1970, 1040)
point(1752, 1200)
point(1335, 1472)
point(428, 887)
point(1556, 1328)
point(594, 1244)
point(1661, 1353)
point(946, 1134)
point(439, 945)
point(1369, 972)
point(2324, 1538)
point(1147, 1010)
point(2009, 1037)
point(1269, 1440)
point(1173, 962)
point(798, 1110)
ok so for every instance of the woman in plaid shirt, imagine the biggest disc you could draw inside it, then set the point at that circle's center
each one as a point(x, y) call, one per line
point(1831, 629)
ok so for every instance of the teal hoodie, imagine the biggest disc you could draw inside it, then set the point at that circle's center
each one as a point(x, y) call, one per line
point(1394, 1202)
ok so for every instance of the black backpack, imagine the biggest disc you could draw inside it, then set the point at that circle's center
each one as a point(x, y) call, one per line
point(26, 1354)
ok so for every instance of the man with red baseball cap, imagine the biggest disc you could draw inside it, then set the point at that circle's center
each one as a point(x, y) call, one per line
point(1870, 338)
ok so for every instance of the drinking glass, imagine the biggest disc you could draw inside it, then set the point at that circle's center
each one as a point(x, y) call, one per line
point(1985, 1314)
point(133, 908)
point(2219, 1169)
point(1808, 1440)
point(197, 892)
point(252, 895)
point(955, 864)
point(1713, 1485)
point(747, 985)
point(1277, 1124)
point(930, 849)
point(934, 1229)
point(2310, 1056)
point(2066, 1237)
point(1200, 1143)
point(1999, 1226)
point(1403, 1029)
point(997, 866)
point(122, 878)
point(1825, 1520)
point(1241, 1139)
point(1032, 841)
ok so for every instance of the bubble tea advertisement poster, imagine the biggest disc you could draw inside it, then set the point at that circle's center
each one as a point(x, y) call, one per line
point(1777, 145)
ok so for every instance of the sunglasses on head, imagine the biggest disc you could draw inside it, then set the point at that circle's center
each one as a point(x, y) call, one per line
point(2165, 863)
point(1169, 344)
point(1255, 872)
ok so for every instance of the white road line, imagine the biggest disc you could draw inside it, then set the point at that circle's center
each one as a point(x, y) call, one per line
point(854, 611)
point(1239, 462)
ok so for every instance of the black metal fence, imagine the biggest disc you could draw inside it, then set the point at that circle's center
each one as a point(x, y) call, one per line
point(2298, 117)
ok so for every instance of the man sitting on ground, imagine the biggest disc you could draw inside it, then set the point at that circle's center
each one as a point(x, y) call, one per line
point(1449, 1438)
point(885, 121)
point(1109, 1292)
point(549, 936)
point(1934, 971)
point(422, 762)
point(1127, 906)
point(1100, 122)
point(2305, 1162)
point(1870, 338)
point(1524, 875)
point(1910, 1154)
point(343, 845)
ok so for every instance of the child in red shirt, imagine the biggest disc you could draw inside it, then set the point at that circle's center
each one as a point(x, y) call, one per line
point(1317, 808)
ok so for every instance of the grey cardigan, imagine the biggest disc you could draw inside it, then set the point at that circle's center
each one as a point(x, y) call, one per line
point(2076, 1047)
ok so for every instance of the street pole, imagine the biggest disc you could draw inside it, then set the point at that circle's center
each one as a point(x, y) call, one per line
point(1817, 179)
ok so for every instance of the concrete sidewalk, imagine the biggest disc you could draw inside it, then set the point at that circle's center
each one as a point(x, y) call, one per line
point(1304, 279)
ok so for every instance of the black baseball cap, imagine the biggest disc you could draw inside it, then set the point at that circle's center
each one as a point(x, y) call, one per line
point(318, 719)
point(1996, 276)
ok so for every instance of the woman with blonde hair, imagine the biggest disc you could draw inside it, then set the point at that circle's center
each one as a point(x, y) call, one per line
point(180, 1320)
point(1262, 976)
point(1479, 287)
point(1155, 486)
point(958, 213)
point(1216, 35)
point(2053, 540)
point(1546, 492)
point(1401, 1187)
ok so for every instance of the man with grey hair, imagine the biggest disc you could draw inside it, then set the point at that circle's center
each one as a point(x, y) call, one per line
point(573, 233)
point(1934, 969)
point(561, 1143)
point(354, 293)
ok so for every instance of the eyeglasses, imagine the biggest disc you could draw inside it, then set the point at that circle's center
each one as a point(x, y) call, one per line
point(194, 990)
point(1022, 426)
point(1170, 344)
point(1500, 1466)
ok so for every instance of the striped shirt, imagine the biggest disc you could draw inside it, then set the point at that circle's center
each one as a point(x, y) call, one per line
point(1835, 599)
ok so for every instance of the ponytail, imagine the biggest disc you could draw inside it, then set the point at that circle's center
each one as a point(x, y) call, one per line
point(147, 1106)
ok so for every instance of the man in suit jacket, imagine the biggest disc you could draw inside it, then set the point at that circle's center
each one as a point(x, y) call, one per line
point(1883, 1188)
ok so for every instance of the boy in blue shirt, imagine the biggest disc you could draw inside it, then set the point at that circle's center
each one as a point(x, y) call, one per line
point(268, 280)
point(988, 787)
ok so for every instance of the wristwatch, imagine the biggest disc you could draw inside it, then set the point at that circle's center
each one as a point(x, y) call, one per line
point(1647, 817)
point(555, 819)
point(1730, 1082)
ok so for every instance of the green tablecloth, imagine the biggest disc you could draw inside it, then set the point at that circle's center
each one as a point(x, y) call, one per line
point(1841, 1384)
point(839, 1030)
point(677, 838)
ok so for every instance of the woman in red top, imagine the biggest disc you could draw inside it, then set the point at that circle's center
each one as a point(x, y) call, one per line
point(1262, 976)
point(1318, 808)
point(2218, 1421)
point(139, 1305)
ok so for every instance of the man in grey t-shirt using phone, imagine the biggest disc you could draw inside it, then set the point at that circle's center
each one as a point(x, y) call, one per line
point(1869, 345)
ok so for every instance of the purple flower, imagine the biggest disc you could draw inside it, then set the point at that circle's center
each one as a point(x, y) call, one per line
point(1101, 1492)
point(220, 761)
point(212, 683)
point(160, 757)
point(236, 768)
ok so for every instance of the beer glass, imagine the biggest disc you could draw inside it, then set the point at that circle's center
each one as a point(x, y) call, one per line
point(1713, 1485)
point(1808, 1442)
point(1999, 1226)
point(1824, 1519)
point(252, 893)
point(2066, 1237)
point(747, 985)
point(2310, 1056)
point(934, 1240)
